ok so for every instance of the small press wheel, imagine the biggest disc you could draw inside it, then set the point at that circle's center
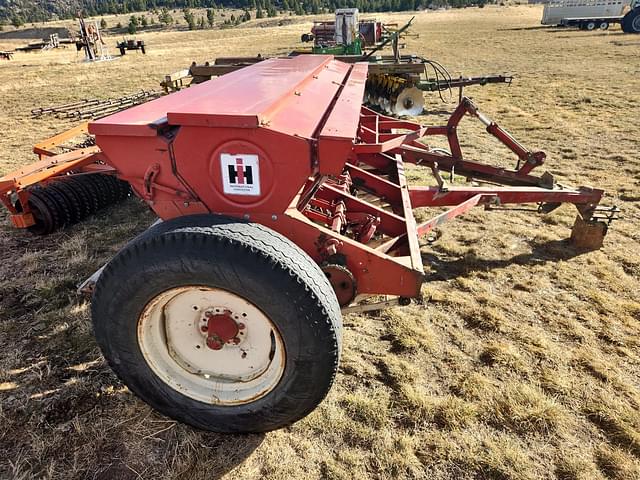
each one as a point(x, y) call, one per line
point(223, 325)
point(342, 281)
point(45, 216)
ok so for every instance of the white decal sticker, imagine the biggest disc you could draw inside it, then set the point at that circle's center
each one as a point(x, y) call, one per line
point(240, 174)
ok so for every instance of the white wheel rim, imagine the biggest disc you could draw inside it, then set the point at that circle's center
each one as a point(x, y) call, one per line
point(172, 341)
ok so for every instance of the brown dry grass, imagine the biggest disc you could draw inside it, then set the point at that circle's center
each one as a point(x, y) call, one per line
point(524, 365)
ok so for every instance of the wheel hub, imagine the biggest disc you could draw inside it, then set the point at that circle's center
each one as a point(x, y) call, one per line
point(221, 329)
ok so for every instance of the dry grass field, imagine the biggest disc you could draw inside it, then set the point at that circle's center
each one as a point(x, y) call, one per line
point(524, 364)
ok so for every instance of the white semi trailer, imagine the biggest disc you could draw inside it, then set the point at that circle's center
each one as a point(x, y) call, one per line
point(593, 14)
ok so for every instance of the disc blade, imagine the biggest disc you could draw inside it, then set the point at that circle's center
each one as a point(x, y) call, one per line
point(409, 102)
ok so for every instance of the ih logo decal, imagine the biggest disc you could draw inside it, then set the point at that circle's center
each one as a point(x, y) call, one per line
point(240, 174)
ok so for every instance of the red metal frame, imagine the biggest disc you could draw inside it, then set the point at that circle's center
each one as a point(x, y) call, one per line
point(332, 172)
point(372, 191)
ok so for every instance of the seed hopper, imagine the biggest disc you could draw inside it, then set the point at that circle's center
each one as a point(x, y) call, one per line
point(284, 201)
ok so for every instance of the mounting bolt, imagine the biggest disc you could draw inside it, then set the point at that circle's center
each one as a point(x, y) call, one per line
point(214, 343)
point(241, 326)
point(204, 328)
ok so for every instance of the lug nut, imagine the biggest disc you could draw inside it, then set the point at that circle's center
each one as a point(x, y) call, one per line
point(214, 344)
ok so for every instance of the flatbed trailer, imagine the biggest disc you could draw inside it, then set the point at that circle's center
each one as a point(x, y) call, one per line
point(593, 14)
point(558, 11)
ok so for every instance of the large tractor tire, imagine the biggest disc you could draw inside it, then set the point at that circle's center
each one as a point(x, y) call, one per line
point(631, 21)
point(223, 325)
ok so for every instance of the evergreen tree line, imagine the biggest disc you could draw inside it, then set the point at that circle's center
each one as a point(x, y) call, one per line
point(19, 12)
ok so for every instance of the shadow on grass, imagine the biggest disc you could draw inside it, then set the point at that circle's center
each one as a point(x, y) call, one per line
point(537, 27)
point(60, 391)
point(568, 30)
point(596, 33)
point(89, 426)
point(443, 269)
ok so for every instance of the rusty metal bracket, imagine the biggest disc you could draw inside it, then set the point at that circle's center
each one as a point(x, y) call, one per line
point(148, 180)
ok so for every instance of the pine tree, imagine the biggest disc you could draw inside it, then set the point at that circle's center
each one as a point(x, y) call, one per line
point(103, 23)
point(271, 10)
point(133, 26)
point(17, 21)
point(165, 17)
point(210, 17)
point(189, 18)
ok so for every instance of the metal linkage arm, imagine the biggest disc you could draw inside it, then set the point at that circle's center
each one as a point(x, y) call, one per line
point(435, 85)
point(380, 134)
point(467, 107)
point(529, 159)
point(437, 197)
